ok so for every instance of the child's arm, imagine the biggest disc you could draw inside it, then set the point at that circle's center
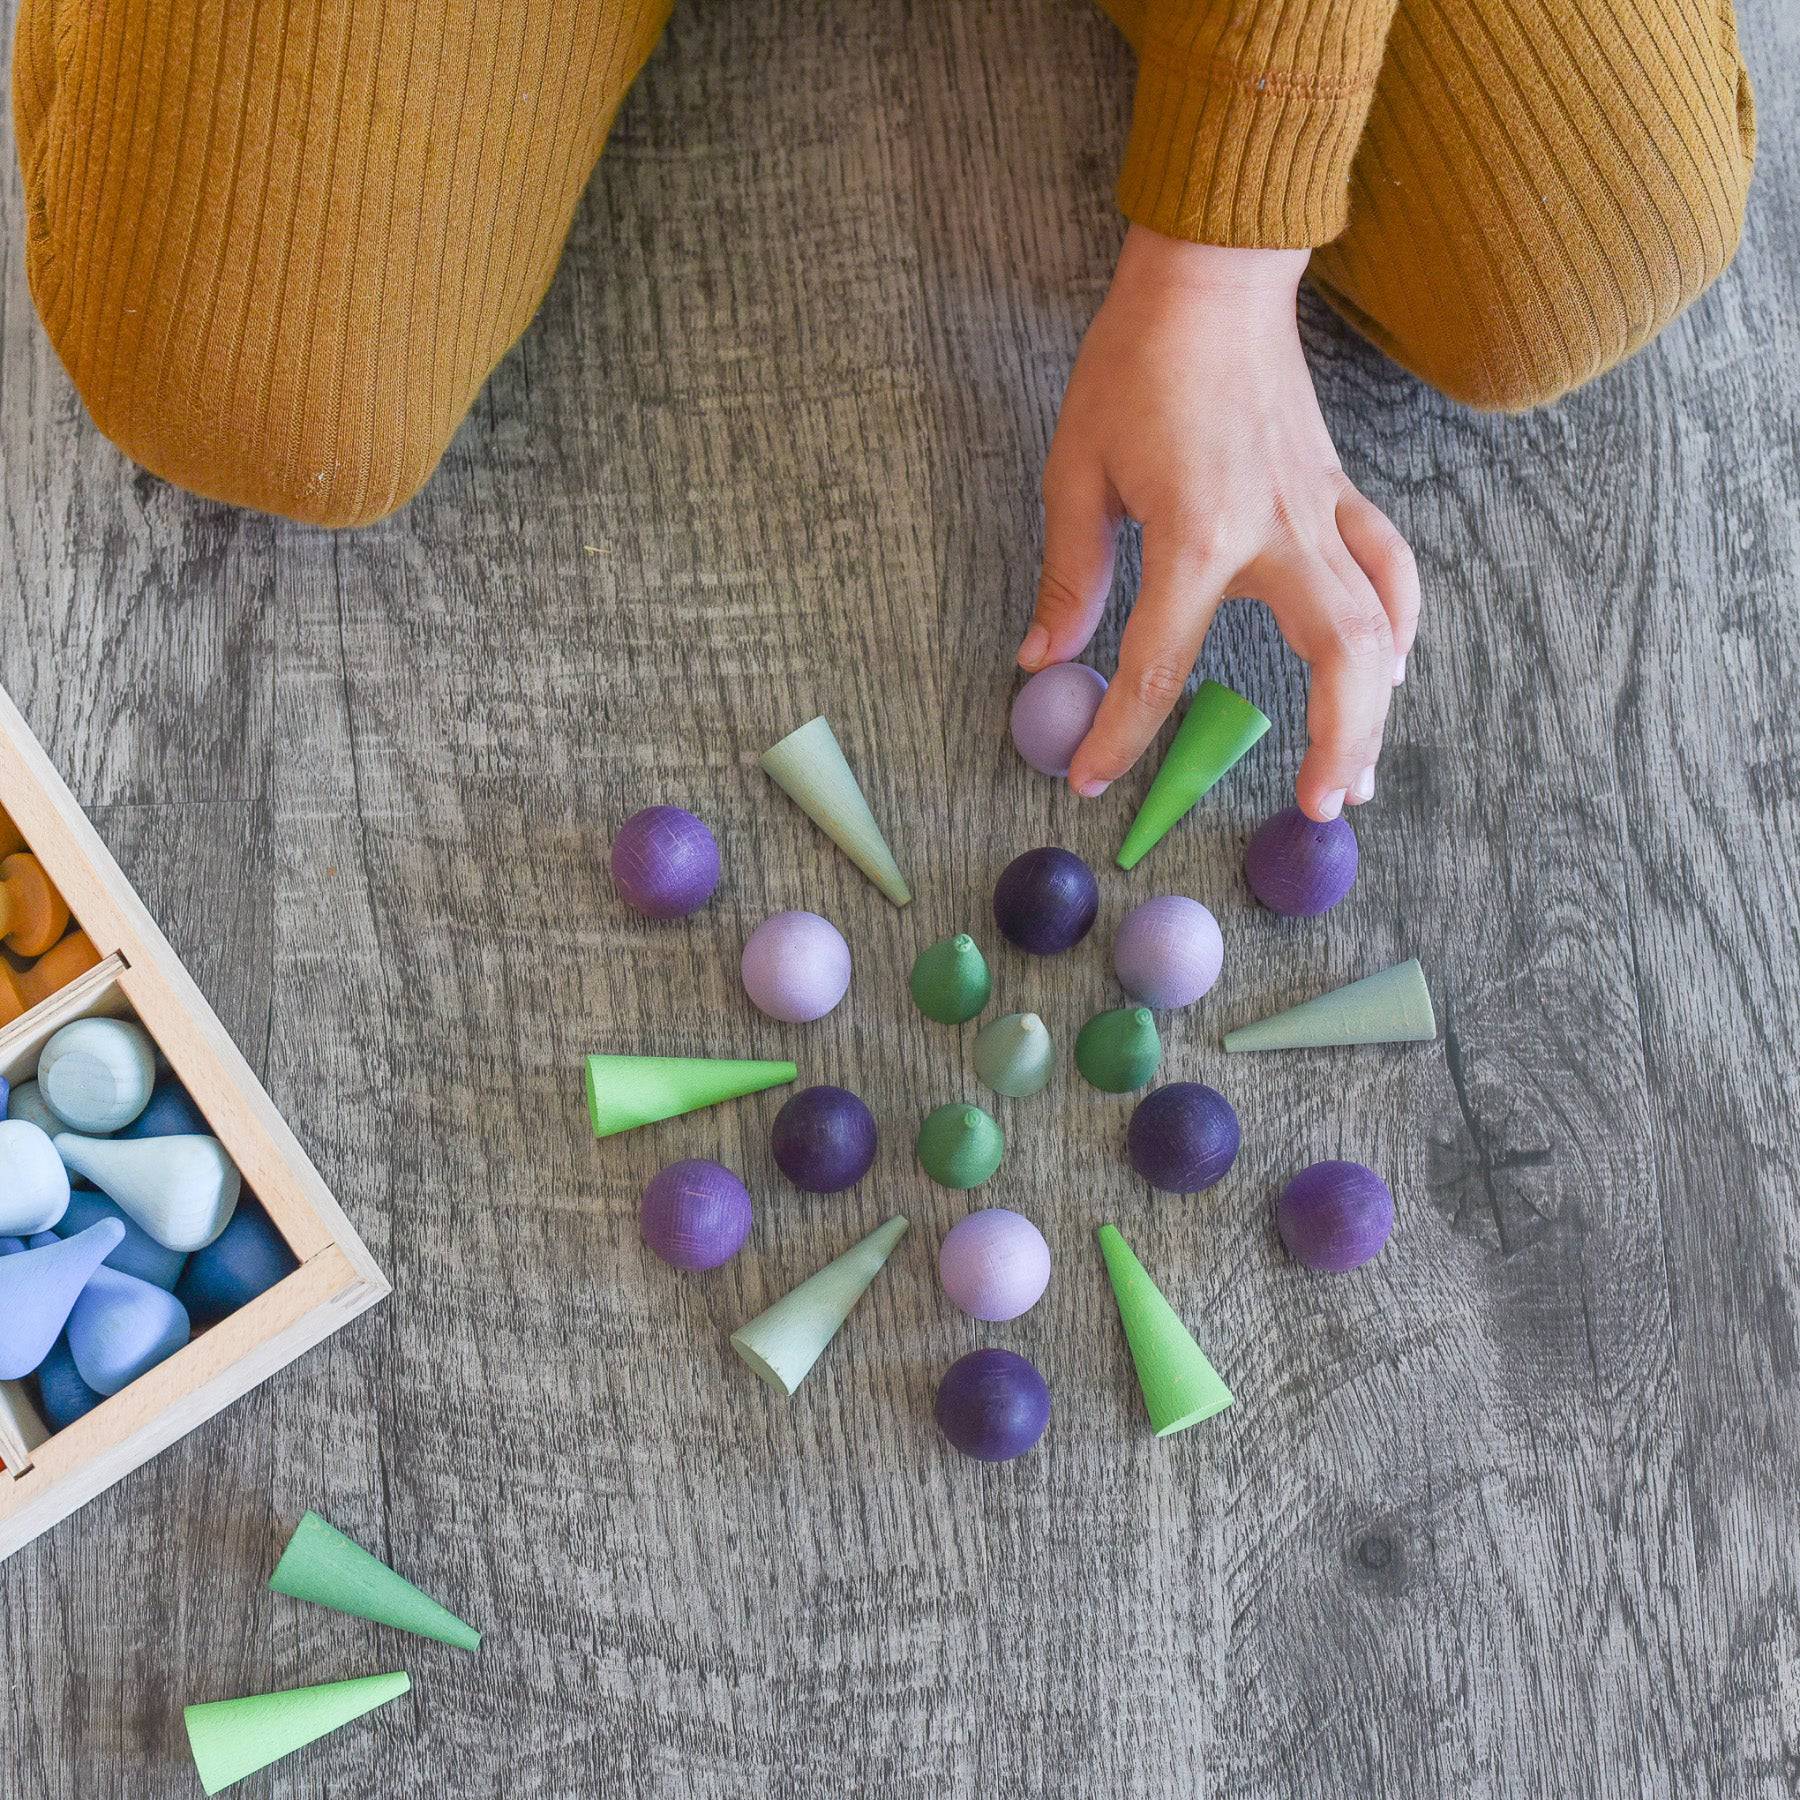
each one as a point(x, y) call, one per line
point(1192, 411)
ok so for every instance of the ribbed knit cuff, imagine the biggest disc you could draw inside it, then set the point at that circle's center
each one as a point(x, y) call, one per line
point(1246, 137)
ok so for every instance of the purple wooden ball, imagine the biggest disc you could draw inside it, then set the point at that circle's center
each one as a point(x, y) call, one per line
point(1183, 1137)
point(1298, 867)
point(1053, 712)
point(1335, 1216)
point(695, 1214)
point(665, 862)
point(1168, 951)
point(1046, 901)
point(823, 1140)
point(994, 1264)
point(993, 1405)
point(796, 967)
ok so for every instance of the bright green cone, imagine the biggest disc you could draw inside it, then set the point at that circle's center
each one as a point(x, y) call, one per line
point(1118, 1051)
point(809, 767)
point(1219, 727)
point(234, 1738)
point(950, 980)
point(625, 1092)
point(1180, 1386)
point(1390, 1007)
point(782, 1344)
point(960, 1146)
point(320, 1564)
point(1014, 1055)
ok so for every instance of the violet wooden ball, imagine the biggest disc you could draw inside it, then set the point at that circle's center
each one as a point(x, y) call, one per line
point(992, 1405)
point(824, 1140)
point(1298, 867)
point(1053, 712)
point(665, 862)
point(1046, 901)
point(1183, 1137)
point(1168, 951)
point(1335, 1216)
point(994, 1264)
point(796, 967)
point(695, 1214)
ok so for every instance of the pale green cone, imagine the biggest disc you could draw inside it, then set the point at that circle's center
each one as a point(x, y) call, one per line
point(782, 1344)
point(950, 980)
point(324, 1566)
point(1014, 1055)
point(1180, 1386)
point(810, 769)
point(625, 1092)
point(234, 1738)
point(1218, 729)
point(1392, 1006)
point(960, 1145)
point(1120, 1050)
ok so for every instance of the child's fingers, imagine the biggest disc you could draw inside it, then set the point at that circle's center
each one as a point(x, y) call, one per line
point(1081, 534)
point(1181, 591)
point(1387, 559)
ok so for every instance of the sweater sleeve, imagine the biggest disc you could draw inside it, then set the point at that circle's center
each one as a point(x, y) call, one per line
point(1247, 115)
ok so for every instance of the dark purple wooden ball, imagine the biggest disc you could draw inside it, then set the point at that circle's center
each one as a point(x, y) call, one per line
point(1298, 867)
point(824, 1140)
point(695, 1214)
point(665, 862)
point(1046, 901)
point(993, 1405)
point(1183, 1137)
point(1335, 1216)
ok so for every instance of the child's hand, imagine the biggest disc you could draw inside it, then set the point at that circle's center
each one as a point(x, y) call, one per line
point(1191, 410)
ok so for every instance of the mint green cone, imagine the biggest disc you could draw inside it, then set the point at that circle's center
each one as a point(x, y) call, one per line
point(1120, 1050)
point(950, 980)
point(324, 1566)
point(1219, 728)
point(960, 1146)
point(1014, 1055)
point(234, 1738)
point(809, 767)
point(1392, 1006)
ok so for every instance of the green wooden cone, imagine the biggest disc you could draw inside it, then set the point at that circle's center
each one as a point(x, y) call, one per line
point(1180, 1386)
point(234, 1738)
point(1219, 727)
point(1118, 1051)
point(1392, 1006)
point(809, 766)
point(320, 1564)
point(950, 980)
point(1014, 1055)
point(960, 1146)
point(625, 1092)
point(782, 1344)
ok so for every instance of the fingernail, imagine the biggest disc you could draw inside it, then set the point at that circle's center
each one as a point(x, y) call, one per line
point(1365, 786)
point(1031, 652)
point(1399, 670)
point(1333, 803)
point(1092, 788)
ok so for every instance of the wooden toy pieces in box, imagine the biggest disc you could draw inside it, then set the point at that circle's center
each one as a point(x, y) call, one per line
point(135, 975)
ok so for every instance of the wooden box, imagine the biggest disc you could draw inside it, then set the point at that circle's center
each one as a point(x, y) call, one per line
point(47, 1476)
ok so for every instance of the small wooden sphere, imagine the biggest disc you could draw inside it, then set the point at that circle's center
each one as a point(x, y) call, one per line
point(1168, 951)
point(1183, 1137)
point(994, 1264)
point(665, 862)
point(1335, 1216)
point(824, 1140)
point(1046, 901)
point(1298, 867)
point(695, 1214)
point(992, 1405)
point(796, 967)
point(1053, 712)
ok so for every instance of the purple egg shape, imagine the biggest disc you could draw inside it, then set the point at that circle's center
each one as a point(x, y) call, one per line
point(1053, 712)
point(796, 967)
point(665, 863)
point(992, 1405)
point(1168, 951)
point(1046, 901)
point(1183, 1137)
point(695, 1214)
point(1298, 867)
point(1335, 1216)
point(994, 1264)
point(824, 1140)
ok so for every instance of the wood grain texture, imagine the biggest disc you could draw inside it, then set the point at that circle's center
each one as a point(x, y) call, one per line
point(1511, 1514)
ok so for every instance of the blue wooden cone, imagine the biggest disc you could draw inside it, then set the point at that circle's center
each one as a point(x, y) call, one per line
point(121, 1327)
point(39, 1289)
point(246, 1259)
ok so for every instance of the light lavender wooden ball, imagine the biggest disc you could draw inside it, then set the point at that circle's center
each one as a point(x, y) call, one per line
point(796, 967)
point(1168, 952)
point(1053, 712)
point(994, 1264)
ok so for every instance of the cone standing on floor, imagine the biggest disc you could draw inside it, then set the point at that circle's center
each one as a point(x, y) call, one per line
point(625, 1092)
point(1180, 1386)
point(950, 981)
point(234, 1738)
point(324, 1566)
point(810, 769)
point(1014, 1055)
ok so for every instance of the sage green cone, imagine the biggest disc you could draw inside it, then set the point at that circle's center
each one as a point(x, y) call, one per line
point(950, 980)
point(1180, 1386)
point(1118, 1051)
point(1392, 1006)
point(234, 1738)
point(960, 1146)
point(1014, 1055)
point(809, 767)
point(1219, 727)
point(324, 1566)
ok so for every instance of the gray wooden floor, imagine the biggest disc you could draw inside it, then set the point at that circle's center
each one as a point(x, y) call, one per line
point(1512, 1513)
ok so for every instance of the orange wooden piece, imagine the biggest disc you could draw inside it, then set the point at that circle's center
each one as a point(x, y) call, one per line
point(55, 969)
point(32, 914)
point(10, 840)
